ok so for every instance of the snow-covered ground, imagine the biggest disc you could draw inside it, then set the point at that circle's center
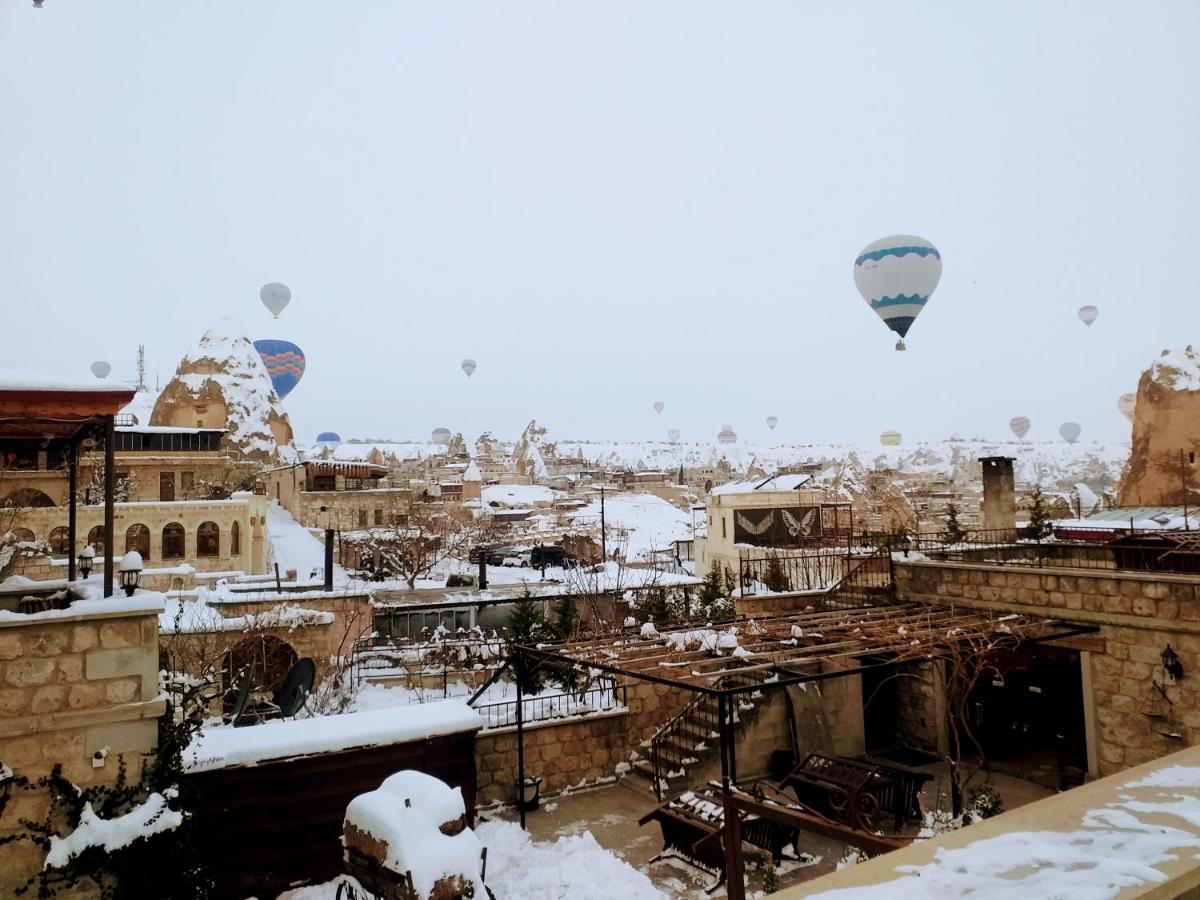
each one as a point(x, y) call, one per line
point(295, 547)
point(644, 523)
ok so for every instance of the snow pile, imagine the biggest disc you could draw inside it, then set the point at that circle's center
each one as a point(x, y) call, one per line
point(573, 866)
point(643, 523)
point(224, 366)
point(294, 547)
point(151, 817)
point(222, 746)
point(520, 495)
point(198, 617)
point(472, 473)
point(1177, 370)
point(419, 821)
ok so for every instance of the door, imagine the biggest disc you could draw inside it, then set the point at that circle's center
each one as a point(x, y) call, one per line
point(166, 486)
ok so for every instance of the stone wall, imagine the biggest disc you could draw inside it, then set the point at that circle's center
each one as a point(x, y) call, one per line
point(72, 685)
point(1137, 615)
point(922, 707)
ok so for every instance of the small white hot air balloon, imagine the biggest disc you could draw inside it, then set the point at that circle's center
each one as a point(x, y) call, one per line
point(1088, 314)
point(673, 435)
point(772, 421)
point(1020, 426)
point(468, 366)
point(100, 368)
point(890, 439)
point(1127, 404)
point(727, 435)
point(1070, 431)
point(441, 436)
point(275, 297)
point(659, 406)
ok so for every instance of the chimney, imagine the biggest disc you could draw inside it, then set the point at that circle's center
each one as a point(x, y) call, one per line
point(999, 508)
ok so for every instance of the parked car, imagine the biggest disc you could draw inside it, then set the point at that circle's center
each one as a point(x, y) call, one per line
point(517, 560)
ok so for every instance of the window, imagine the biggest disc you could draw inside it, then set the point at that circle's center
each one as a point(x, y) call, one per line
point(723, 528)
point(22, 535)
point(96, 539)
point(208, 539)
point(187, 483)
point(362, 518)
point(379, 517)
point(172, 541)
point(60, 540)
point(235, 539)
point(166, 487)
point(137, 537)
point(324, 483)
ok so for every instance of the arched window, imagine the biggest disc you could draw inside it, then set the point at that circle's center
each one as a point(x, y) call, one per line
point(263, 659)
point(137, 537)
point(235, 539)
point(60, 540)
point(208, 539)
point(96, 539)
point(28, 497)
point(22, 534)
point(172, 541)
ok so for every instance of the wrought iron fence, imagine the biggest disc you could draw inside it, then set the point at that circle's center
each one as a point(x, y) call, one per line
point(779, 572)
point(1148, 552)
point(601, 697)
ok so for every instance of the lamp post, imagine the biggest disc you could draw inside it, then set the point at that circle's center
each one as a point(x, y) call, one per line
point(131, 572)
point(87, 557)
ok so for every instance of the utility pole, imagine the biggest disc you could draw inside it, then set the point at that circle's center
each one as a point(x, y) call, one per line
point(603, 537)
point(1184, 489)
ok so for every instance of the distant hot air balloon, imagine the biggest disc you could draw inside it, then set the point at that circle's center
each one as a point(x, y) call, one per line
point(328, 439)
point(275, 297)
point(673, 435)
point(441, 436)
point(100, 368)
point(726, 435)
point(1088, 314)
point(1127, 404)
point(468, 366)
point(896, 275)
point(1020, 426)
point(890, 438)
point(1070, 431)
point(772, 421)
point(285, 364)
point(659, 406)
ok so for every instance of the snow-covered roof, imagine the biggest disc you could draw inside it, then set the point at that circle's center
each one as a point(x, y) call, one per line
point(225, 746)
point(518, 494)
point(24, 382)
point(789, 482)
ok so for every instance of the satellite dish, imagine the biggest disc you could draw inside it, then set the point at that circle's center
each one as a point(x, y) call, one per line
point(468, 366)
point(441, 436)
point(275, 297)
point(772, 421)
point(890, 439)
point(896, 276)
point(1020, 426)
point(1070, 431)
point(659, 406)
point(100, 368)
point(1088, 315)
point(285, 364)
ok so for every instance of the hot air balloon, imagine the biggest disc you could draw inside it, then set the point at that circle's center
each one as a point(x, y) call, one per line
point(896, 275)
point(1126, 404)
point(1088, 314)
point(1070, 431)
point(659, 406)
point(275, 297)
point(1020, 426)
point(772, 421)
point(285, 364)
point(468, 366)
point(441, 436)
point(726, 435)
point(328, 439)
point(890, 438)
point(673, 435)
point(100, 368)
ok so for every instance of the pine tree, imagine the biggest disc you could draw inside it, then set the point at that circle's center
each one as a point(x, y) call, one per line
point(1039, 516)
point(713, 588)
point(566, 617)
point(954, 533)
point(525, 626)
point(776, 578)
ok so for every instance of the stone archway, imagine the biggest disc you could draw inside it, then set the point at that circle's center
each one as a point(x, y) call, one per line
point(28, 498)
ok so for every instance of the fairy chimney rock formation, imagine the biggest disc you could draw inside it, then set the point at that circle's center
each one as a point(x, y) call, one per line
point(222, 383)
point(1166, 433)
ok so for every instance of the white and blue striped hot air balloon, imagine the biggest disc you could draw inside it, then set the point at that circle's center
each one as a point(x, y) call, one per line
point(896, 275)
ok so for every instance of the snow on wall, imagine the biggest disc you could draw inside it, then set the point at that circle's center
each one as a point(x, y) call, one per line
point(153, 816)
point(223, 746)
point(1177, 370)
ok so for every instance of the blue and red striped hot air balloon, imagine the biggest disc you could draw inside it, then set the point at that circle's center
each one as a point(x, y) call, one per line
point(284, 362)
point(896, 275)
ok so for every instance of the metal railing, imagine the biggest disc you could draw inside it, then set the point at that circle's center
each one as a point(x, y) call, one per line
point(781, 572)
point(1008, 547)
point(869, 582)
point(603, 697)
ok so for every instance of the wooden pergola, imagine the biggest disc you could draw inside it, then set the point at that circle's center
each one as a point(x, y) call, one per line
point(71, 416)
point(764, 654)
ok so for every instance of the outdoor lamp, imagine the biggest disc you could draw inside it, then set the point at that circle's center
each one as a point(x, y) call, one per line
point(1171, 663)
point(87, 556)
point(131, 571)
point(905, 543)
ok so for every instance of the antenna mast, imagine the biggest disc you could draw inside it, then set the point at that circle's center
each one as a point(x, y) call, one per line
point(141, 368)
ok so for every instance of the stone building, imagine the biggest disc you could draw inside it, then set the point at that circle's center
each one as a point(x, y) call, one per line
point(1162, 467)
point(328, 493)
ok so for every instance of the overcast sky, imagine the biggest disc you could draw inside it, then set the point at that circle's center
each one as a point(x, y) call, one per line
point(609, 203)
